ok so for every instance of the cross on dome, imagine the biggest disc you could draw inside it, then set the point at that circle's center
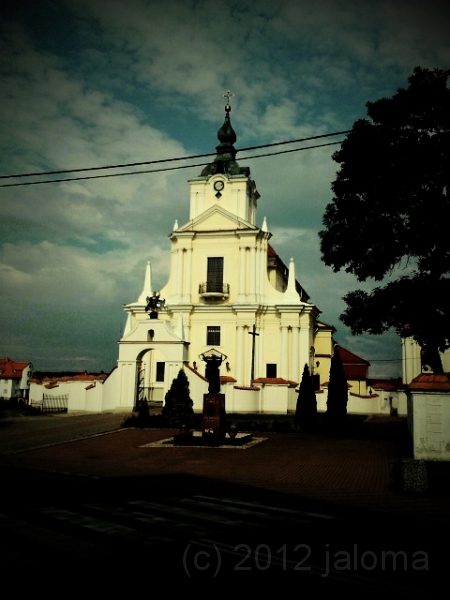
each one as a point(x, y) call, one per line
point(228, 95)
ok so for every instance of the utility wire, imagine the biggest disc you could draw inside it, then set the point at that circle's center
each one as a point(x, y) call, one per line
point(141, 172)
point(195, 156)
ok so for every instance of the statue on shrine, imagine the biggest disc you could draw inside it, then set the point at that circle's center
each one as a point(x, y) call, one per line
point(154, 303)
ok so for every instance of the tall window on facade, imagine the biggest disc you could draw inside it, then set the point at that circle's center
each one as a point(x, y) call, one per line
point(160, 369)
point(214, 276)
point(271, 370)
point(213, 335)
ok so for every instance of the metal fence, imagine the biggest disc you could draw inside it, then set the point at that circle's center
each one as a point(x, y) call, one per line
point(53, 403)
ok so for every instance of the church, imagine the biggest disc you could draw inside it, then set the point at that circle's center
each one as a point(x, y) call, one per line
point(229, 295)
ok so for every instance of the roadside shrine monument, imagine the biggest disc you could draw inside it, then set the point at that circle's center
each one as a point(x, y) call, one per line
point(214, 423)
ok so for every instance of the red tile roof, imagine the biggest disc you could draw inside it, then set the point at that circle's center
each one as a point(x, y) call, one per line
point(196, 372)
point(50, 386)
point(275, 381)
point(9, 369)
point(348, 357)
point(79, 377)
point(355, 367)
point(323, 325)
point(387, 385)
point(227, 379)
point(247, 388)
point(437, 382)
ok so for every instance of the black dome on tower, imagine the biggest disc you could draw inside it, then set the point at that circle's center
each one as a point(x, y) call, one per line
point(225, 160)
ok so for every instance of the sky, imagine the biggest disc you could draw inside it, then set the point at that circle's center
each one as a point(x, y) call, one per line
point(93, 83)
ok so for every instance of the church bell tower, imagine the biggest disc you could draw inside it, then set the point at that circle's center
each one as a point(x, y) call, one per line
point(223, 182)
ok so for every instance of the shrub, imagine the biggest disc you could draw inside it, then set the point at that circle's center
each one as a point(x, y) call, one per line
point(178, 406)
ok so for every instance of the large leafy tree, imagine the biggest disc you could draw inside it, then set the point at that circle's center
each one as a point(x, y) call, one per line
point(390, 216)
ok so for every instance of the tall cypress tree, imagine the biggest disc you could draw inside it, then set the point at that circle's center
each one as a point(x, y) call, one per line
point(306, 410)
point(336, 415)
point(178, 406)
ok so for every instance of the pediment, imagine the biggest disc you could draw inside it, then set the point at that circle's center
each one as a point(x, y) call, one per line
point(216, 218)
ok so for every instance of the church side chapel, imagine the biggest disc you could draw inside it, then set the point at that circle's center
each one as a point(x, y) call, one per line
point(228, 293)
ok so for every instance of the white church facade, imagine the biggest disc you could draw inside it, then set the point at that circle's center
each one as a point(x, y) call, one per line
point(228, 292)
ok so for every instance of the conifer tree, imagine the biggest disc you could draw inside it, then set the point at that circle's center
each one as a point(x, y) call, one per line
point(178, 406)
point(306, 410)
point(336, 415)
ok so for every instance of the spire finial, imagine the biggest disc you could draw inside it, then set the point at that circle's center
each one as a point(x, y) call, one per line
point(147, 290)
point(228, 95)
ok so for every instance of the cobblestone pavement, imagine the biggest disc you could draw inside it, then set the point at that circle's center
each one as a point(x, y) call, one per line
point(344, 473)
point(327, 510)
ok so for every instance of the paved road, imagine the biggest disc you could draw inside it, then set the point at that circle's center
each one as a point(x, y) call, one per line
point(24, 433)
point(207, 537)
point(112, 504)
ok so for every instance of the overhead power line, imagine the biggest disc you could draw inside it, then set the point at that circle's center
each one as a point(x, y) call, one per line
point(142, 172)
point(161, 161)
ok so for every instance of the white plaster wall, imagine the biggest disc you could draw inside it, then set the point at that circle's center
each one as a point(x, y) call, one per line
point(77, 394)
point(241, 401)
point(80, 398)
point(445, 357)
point(321, 398)
point(378, 405)
point(36, 392)
point(103, 397)
point(429, 421)
point(197, 388)
point(274, 399)
point(402, 404)
point(370, 406)
point(93, 398)
point(111, 391)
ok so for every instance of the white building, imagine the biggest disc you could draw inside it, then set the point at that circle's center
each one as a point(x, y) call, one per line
point(225, 283)
point(428, 402)
point(229, 292)
point(14, 379)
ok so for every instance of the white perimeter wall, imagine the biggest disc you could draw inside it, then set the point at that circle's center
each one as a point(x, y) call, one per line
point(429, 425)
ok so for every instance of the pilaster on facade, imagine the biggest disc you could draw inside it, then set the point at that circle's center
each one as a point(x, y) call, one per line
point(294, 374)
point(242, 272)
point(306, 341)
point(179, 255)
point(187, 274)
point(284, 352)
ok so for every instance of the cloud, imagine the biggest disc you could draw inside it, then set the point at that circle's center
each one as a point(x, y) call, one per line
point(89, 83)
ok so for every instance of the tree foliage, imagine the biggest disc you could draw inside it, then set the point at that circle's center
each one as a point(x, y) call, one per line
point(306, 409)
point(178, 406)
point(390, 213)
